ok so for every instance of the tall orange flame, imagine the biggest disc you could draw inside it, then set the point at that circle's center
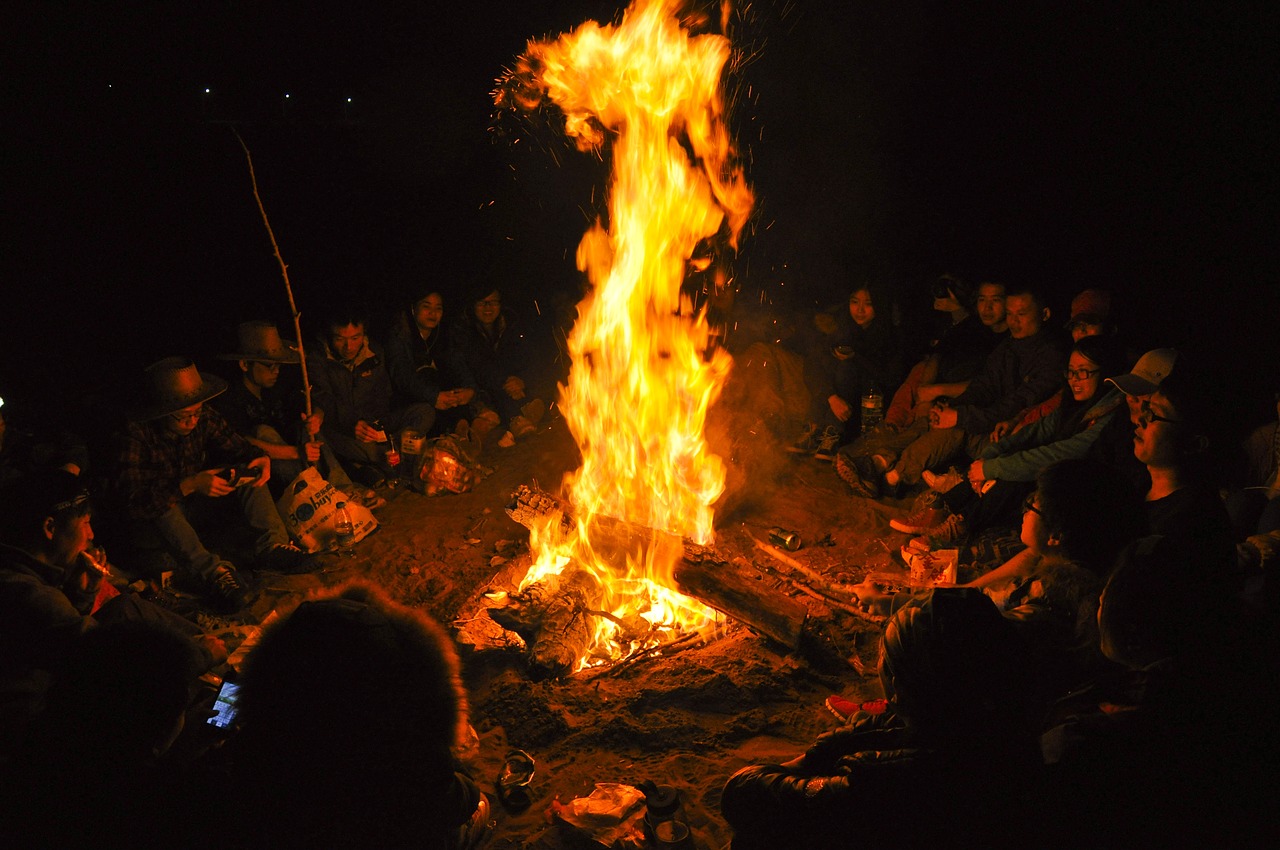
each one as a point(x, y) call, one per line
point(642, 376)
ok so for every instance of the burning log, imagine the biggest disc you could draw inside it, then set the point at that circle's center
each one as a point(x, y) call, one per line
point(740, 594)
point(554, 622)
point(529, 504)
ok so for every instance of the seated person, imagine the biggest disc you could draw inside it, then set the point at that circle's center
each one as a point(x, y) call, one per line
point(427, 367)
point(851, 351)
point(355, 692)
point(172, 485)
point(92, 769)
point(957, 354)
point(501, 360)
point(1173, 438)
point(255, 407)
point(52, 590)
point(1114, 445)
point(957, 738)
point(1005, 470)
point(1252, 502)
point(352, 390)
point(1022, 371)
point(1081, 514)
point(1090, 316)
point(1126, 764)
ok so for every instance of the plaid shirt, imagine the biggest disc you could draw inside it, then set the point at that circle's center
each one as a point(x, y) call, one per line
point(153, 461)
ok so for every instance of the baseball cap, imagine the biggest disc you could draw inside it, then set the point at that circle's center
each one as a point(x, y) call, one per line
point(1090, 307)
point(1146, 375)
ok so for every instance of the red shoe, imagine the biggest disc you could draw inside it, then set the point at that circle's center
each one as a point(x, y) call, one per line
point(844, 709)
point(921, 521)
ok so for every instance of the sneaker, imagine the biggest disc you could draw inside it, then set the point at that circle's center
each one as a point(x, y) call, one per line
point(828, 443)
point(227, 592)
point(844, 709)
point(485, 422)
point(287, 558)
point(807, 443)
point(944, 535)
point(521, 427)
point(942, 483)
point(921, 520)
point(534, 411)
point(851, 472)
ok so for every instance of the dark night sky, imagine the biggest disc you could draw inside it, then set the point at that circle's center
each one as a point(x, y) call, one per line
point(1121, 144)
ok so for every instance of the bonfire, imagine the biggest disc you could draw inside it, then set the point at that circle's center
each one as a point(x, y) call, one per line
point(647, 93)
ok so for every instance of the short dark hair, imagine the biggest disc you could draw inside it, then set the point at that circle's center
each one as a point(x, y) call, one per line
point(1027, 289)
point(346, 314)
point(27, 502)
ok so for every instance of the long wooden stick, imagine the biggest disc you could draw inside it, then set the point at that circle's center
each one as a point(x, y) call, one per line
point(284, 272)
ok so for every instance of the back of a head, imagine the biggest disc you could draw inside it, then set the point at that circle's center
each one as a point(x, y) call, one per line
point(118, 697)
point(1150, 607)
point(955, 667)
point(356, 671)
point(1093, 508)
point(350, 709)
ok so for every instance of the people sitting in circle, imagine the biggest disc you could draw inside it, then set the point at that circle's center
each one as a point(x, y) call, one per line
point(275, 421)
point(181, 472)
point(429, 367)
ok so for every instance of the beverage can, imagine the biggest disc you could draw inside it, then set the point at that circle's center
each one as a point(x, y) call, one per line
point(788, 540)
point(411, 443)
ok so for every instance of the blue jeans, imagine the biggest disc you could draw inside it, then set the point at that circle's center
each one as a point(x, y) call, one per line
point(176, 528)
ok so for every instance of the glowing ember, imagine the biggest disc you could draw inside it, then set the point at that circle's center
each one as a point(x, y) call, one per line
point(642, 377)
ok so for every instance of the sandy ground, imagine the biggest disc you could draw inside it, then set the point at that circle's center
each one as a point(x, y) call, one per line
point(688, 720)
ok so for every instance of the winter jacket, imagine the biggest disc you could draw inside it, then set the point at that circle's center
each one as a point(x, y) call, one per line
point(1019, 373)
point(1021, 455)
point(348, 393)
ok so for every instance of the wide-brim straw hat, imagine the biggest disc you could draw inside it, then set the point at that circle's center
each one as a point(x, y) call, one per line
point(173, 384)
point(261, 341)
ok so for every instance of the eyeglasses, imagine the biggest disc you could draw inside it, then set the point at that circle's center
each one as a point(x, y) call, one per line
point(1146, 415)
point(1029, 505)
point(270, 367)
point(1079, 374)
point(490, 302)
point(182, 418)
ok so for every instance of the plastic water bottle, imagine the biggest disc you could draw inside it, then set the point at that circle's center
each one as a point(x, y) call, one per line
point(872, 409)
point(343, 527)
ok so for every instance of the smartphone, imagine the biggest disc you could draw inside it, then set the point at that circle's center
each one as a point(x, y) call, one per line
point(239, 476)
point(225, 706)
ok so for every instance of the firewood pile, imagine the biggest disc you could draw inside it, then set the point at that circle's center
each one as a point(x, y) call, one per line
point(551, 622)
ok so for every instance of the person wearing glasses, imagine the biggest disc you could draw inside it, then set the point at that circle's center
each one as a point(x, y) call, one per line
point(1004, 472)
point(1021, 372)
point(1173, 436)
point(181, 472)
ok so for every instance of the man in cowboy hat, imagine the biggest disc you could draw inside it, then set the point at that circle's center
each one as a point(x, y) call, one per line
point(255, 407)
point(178, 463)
